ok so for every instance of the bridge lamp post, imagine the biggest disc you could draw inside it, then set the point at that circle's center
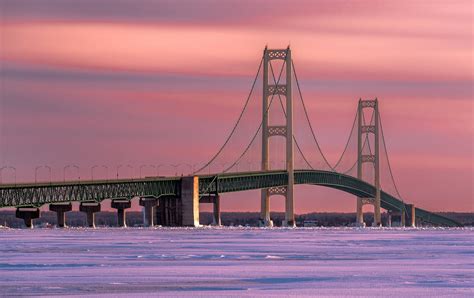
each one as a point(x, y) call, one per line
point(103, 166)
point(192, 167)
point(140, 170)
point(8, 167)
point(92, 171)
point(144, 166)
point(36, 172)
point(131, 170)
point(50, 172)
point(118, 168)
point(72, 166)
point(39, 167)
point(158, 169)
point(175, 168)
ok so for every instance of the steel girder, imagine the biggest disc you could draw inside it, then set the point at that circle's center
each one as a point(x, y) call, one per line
point(37, 195)
point(45, 193)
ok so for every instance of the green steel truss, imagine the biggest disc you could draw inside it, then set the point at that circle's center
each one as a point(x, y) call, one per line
point(37, 194)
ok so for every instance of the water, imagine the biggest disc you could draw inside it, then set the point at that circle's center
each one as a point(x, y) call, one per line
point(237, 262)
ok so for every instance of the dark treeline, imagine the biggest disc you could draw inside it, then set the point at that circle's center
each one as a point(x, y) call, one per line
point(134, 218)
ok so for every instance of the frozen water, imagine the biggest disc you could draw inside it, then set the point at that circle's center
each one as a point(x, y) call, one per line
point(237, 262)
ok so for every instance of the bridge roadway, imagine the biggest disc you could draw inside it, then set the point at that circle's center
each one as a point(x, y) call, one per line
point(37, 194)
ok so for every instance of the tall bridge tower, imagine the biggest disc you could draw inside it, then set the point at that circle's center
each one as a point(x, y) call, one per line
point(363, 131)
point(286, 130)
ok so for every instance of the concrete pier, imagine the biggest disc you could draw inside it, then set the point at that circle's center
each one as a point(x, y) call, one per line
point(149, 203)
point(90, 208)
point(215, 200)
point(411, 215)
point(190, 201)
point(217, 211)
point(61, 209)
point(168, 212)
point(27, 214)
point(389, 219)
point(121, 205)
point(403, 218)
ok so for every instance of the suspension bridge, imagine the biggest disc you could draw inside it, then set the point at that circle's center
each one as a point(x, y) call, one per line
point(363, 169)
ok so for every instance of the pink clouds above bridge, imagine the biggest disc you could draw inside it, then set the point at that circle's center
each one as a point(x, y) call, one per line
point(139, 82)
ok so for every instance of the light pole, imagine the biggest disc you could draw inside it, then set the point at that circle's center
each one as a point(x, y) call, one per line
point(131, 170)
point(39, 167)
point(102, 166)
point(8, 167)
point(175, 168)
point(192, 167)
point(144, 166)
point(118, 168)
point(158, 169)
point(50, 172)
point(71, 166)
point(36, 172)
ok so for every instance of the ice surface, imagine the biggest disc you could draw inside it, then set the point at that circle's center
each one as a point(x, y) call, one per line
point(237, 262)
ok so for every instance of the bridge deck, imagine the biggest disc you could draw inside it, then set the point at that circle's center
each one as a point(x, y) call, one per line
point(37, 194)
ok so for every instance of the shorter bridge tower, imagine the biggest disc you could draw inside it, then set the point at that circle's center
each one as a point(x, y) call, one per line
point(286, 130)
point(363, 131)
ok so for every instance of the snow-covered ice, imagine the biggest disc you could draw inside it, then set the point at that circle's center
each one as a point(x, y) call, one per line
point(237, 262)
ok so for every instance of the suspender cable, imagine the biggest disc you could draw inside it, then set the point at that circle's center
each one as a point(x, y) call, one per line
point(236, 124)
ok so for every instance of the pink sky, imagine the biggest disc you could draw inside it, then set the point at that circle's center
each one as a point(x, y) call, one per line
point(138, 82)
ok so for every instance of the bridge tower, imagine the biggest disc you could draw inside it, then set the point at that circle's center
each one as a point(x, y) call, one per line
point(362, 132)
point(286, 130)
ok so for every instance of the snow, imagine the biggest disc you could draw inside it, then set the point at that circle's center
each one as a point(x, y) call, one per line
point(237, 262)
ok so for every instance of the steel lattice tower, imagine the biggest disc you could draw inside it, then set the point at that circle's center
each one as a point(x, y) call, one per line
point(270, 90)
point(362, 132)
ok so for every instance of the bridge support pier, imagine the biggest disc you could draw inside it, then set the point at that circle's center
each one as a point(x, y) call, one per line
point(190, 201)
point(403, 218)
point(389, 219)
point(27, 214)
point(121, 205)
point(215, 200)
point(149, 203)
point(90, 208)
point(61, 209)
point(412, 215)
point(360, 213)
point(169, 212)
point(217, 211)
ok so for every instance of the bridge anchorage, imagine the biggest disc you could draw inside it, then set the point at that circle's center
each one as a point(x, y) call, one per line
point(176, 200)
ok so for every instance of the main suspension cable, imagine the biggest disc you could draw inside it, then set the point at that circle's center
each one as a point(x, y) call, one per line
point(388, 161)
point(237, 123)
point(307, 118)
point(261, 123)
